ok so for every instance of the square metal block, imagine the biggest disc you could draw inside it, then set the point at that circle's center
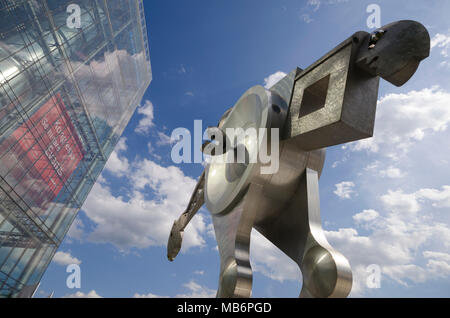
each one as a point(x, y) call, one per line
point(333, 101)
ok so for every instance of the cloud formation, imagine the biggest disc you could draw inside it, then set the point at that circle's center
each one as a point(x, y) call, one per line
point(144, 220)
point(78, 294)
point(396, 237)
point(116, 163)
point(441, 41)
point(402, 120)
point(268, 260)
point(194, 290)
point(272, 79)
point(146, 122)
point(344, 190)
point(64, 259)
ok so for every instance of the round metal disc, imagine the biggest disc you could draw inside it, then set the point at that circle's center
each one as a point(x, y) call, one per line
point(226, 180)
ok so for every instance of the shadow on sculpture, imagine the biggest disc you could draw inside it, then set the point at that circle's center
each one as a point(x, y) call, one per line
point(331, 102)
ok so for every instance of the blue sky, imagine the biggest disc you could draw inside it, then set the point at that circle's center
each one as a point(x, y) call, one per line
point(384, 201)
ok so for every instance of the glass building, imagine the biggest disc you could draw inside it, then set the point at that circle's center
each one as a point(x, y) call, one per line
point(67, 91)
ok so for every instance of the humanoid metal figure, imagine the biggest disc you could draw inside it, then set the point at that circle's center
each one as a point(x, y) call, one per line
point(331, 102)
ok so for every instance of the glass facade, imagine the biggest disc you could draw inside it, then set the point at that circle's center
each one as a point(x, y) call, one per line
point(66, 95)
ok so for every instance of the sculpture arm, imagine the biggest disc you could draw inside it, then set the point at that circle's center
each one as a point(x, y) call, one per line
point(176, 234)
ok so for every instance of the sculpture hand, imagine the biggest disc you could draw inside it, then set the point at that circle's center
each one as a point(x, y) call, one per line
point(175, 240)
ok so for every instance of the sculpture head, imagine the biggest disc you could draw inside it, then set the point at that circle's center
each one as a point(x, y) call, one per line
point(394, 51)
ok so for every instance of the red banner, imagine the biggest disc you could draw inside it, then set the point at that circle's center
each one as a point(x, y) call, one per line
point(50, 144)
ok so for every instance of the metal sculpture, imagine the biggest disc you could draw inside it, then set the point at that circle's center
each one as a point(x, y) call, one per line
point(331, 102)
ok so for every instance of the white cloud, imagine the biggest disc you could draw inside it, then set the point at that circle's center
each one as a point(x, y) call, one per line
point(189, 93)
point(400, 273)
point(151, 151)
point(404, 119)
point(341, 161)
point(306, 18)
point(391, 172)
point(393, 250)
point(438, 268)
point(197, 291)
point(437, 255)
point(372, 166)
point(117, 164)
point(273, 79)
point(63, 258)
point(141, 222)
point(365, 216)
point(147, 121)
point(270, 261)
point(198, 272)
point(395, 239)
point(150, 147)
point(314, 3)
point(91, 294)
point(76, 230)
point(194, 290)
point(182, 69)
point(410, 202)
point(210, 231)
point(344, 190)
point(153, 197)
point(164, 139)
point(438, 263)
point(441, 199)
point(101, 179)
point(398, 201)
point(149, 295)
point(444, 64)
point(442, 42)
point(312, 6)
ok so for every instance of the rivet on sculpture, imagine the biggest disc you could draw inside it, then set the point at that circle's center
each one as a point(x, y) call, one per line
point(331, 102)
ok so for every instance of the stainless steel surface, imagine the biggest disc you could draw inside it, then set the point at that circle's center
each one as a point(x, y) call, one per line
point(176, 234)
point(331, 102)
point(340, 100)
point(397, 53)
point(225, 183)
point(233, 238)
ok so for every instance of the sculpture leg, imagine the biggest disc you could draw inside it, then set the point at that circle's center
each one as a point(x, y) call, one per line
point(233, 231)
point(298, 232)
